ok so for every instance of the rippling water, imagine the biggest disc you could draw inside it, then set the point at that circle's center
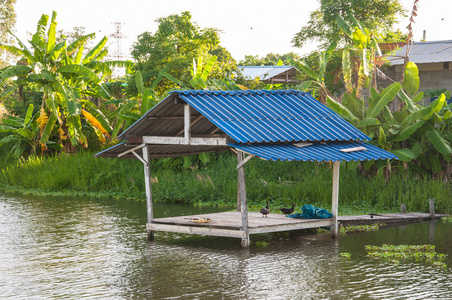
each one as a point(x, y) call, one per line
point(75, 248)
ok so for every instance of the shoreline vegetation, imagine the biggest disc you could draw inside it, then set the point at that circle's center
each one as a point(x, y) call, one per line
point(215, 184)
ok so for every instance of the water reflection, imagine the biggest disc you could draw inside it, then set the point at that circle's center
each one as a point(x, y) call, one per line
point(89, 248)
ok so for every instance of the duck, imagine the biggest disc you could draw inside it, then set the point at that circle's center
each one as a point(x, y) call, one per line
point(265, 211)
point(288, 211)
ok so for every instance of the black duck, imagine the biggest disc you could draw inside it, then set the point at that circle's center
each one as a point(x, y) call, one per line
point(288, 211)
point(265, 211)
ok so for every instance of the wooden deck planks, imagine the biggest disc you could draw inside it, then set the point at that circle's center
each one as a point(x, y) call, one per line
point(230, 223)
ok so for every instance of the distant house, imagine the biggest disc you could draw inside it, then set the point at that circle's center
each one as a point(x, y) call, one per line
point(270, 74)
point(433, 59)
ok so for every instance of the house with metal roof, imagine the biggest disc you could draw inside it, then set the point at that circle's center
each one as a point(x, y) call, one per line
point(433, 59)
point(270, 74)
point(271, 125)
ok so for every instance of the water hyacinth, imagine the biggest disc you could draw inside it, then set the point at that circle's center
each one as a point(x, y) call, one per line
point(418, 253)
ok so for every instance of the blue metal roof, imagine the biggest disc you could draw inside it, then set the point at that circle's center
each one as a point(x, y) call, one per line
point(263, 116)
point(329, 151)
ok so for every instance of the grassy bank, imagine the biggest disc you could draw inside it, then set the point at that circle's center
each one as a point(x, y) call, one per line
point(280, 183)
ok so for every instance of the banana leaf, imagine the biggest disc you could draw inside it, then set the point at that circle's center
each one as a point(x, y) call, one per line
point(386, 96)
point(341, 110)
point(51, 34)
point(48, 128)
point(96, 113)
point(411, 79)
point(13, 71)
point(28, 114)
point(439, 142)
point(435, 163)
point(139, 82)
point(408, 131)
point(208, 67)
point(403, 154)
point(81, 71)
point(343, 25)
point(417, 149)
point(95, 51)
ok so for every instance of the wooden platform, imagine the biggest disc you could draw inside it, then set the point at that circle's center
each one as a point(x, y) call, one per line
point(230, 223)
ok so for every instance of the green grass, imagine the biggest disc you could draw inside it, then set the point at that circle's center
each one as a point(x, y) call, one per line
point(281, 183)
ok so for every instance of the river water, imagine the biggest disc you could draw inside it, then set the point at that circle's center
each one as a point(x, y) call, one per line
point(81, 248)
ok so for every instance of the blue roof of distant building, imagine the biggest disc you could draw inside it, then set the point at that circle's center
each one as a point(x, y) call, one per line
point(423, 53)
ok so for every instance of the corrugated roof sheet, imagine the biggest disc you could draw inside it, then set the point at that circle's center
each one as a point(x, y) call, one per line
point(271, 116)
point(329, 151)
point(264, 72)
point(424, 52)
point(264, 123)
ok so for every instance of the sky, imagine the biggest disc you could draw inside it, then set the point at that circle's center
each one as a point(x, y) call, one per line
point(248, 27)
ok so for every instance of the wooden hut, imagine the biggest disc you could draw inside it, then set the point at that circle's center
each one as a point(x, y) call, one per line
point(272, 125)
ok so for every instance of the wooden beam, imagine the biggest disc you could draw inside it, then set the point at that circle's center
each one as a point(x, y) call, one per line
point(335, 197)
point(196, 141)
point(148, 186)
point(243, 202)
point(195, 230)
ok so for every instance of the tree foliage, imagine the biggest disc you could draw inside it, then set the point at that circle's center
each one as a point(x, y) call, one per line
point(174, 45)
point(271, 59)
point(379, 15)
point(7, 23)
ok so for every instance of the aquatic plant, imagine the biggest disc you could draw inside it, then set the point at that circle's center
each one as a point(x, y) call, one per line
point(262, 244)
point(357, 228)
point(322, 230)
point(418, 253)
point(345, 254)
point(447, 219)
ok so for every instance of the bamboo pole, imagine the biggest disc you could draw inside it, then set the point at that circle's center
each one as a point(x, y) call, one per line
point(335, 197)
point(243, 202)
point(148, 186)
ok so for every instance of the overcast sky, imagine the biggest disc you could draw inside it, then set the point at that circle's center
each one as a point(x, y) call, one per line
point(248, 27)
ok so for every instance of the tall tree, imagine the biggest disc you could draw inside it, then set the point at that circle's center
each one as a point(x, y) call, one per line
point(7, 23)
point(271, 59)
point(173, 46)
point(379, 15)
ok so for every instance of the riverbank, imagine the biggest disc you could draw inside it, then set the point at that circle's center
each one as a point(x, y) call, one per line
point(215, 184)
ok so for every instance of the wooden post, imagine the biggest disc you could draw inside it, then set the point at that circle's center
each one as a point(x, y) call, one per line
point(187, 130)
point(431, 203)
point(335, 197)
point(243, 204)
point(240, 158)
point(402, 208)
point(147, 183)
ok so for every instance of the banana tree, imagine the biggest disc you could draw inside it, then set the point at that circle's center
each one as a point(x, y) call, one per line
point(316, 84)
point(128, 111)
point(415, 132)
point(66, 76)
point(358, 56)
